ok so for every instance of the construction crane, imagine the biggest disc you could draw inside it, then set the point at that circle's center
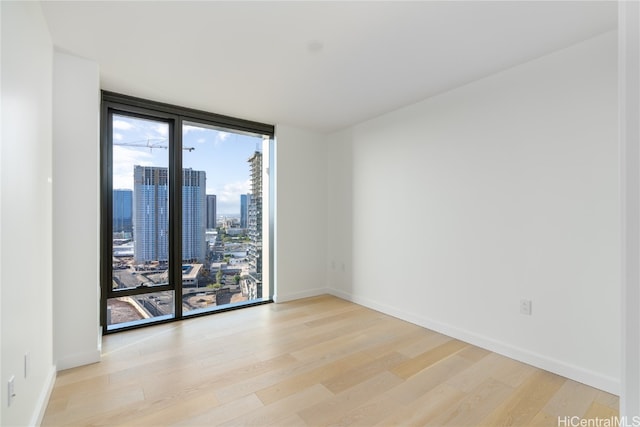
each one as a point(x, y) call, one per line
point(149, 143)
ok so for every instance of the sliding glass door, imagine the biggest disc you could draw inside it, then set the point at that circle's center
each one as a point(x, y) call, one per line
point(222, 236)
point(185, 212)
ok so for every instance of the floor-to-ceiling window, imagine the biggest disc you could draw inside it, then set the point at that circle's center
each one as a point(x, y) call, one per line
point(186, 212)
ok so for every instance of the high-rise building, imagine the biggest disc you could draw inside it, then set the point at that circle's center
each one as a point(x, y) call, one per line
point(254, 226)
point(194, 245)
point(122, 211)
point(244, 210)
point(151, 214)
point(212, 215)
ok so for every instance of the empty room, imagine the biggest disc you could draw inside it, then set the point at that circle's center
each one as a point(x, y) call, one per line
point(320, 213)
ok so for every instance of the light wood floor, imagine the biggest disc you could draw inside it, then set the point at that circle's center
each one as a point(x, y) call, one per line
point(313, 362)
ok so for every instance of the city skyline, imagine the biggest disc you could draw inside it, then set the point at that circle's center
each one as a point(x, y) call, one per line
point(151, 214)
point(221, 154)
point(123, 211)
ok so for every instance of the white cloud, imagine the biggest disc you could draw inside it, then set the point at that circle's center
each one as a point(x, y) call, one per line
point(231, 192)
point(218, 136)
point(228, 198)
point(162, 129)
point(221, 137)
point(188, 128)
point(122, 125)
point(123, 161)
point(117, 136)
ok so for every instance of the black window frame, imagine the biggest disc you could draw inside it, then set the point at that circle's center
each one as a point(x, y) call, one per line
point(120, 104)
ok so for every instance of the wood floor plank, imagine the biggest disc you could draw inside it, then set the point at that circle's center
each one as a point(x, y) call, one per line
point(307, 379)
point(267, 379)
point(95, 384)
point(341, 340)
point(572, 398)
point(607, 399)
point(232, 376)
point(598, 410)
point(353, 314)
point(428, 358)
point(526, 402)
point(473, 353)
point(85, 411)
point(512, 372)
point(292, 420)
point(474, 407)
point(271, 378)
point(402, 337)
point(159, 412)
point(219, 414)
point(311, 362)
point(542, 419)
point(345, 380)
point(301, 338)
point(335, 407)
point(419, 411)
point(494, 366)
point(428, 340)
point(419, 385)
point(277, 411)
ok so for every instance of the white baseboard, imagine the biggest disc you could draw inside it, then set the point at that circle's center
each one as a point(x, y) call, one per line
point(593, 379)
point(78, 359)
point(43, 398)
point(277, 298)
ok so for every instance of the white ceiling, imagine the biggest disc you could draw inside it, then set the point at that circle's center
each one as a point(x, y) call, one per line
point(317, 65)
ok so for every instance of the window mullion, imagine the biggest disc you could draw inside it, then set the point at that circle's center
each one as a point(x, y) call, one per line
point(175, 213)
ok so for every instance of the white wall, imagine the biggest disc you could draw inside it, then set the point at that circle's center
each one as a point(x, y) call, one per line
point(301, 220)
point(629, 101)
point(25, 194)
point(504, 189)
point(340, 212)
point(76, 127)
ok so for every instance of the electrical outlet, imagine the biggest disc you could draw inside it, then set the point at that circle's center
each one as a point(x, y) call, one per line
point(11, 392)
point(525, 307)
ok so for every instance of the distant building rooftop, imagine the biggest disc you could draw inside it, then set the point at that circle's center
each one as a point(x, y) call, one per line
point(190, 273)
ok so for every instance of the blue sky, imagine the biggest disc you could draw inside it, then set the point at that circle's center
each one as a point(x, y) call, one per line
point(221, 154)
